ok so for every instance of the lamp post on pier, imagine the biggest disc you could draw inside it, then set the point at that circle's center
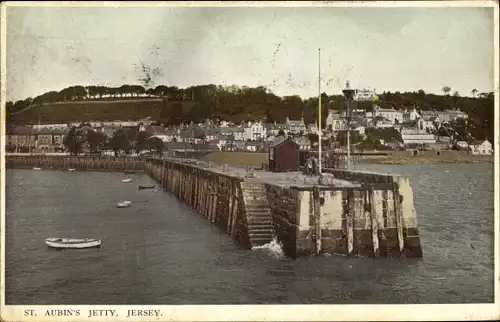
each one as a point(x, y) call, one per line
point(349, 94)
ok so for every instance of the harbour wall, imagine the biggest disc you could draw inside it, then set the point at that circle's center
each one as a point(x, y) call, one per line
point(374, 216)
point(82, 163)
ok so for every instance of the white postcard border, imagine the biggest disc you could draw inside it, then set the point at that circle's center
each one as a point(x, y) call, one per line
point(353, 312)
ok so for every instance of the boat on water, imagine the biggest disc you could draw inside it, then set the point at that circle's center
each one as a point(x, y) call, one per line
point(126, 180)
point(73, 242)
point(71, 169)
point(123, 204)
point(147, 186)
point(37, 169)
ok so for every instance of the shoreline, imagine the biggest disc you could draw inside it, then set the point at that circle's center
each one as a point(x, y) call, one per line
point(422, 159)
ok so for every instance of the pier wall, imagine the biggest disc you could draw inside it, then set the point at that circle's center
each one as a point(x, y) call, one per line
point(82, 163)
point(390, 197)
point(373, 217)
point(216, 196)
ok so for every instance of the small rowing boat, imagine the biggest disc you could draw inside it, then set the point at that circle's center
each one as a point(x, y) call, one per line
point(123, 204)
point(71, 169)
point(127, 180)
point(37, 169)
point(147, 186)
point(73, 242)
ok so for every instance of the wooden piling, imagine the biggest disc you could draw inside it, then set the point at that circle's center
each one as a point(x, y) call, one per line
point(350, 220)
point(397, 212)
point(317, 218)
point(374, 222)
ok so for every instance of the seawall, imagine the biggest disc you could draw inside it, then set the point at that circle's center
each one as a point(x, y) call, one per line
point(344, 212)
point(82, 163)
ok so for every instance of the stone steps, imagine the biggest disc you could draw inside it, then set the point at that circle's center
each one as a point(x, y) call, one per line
point(259, 220)
point(261, 225)
point(261, 230)
point(259, 241)
point(256, 206)
point(262, 200)
point(259, 216)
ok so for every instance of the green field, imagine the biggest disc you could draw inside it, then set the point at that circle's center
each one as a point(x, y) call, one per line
point(253, 159)
point(66, 112)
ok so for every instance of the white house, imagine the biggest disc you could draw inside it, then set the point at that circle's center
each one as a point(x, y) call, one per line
point(462, 144)
point(295, 126)
point(411, 115)
point(430, 122)
point(389, 113)
point(481, 147)
point(334, 121)
point(364, 95)
point(255, 131)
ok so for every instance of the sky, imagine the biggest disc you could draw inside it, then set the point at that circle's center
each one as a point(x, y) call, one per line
point(386, 49)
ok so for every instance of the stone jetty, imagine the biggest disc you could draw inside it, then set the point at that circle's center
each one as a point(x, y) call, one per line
point(342, 212)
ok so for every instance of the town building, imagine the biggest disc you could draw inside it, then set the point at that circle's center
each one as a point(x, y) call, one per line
point(481, 147)
point(335, 122)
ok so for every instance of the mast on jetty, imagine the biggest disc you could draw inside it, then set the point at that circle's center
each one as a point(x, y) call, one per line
point(319, 112)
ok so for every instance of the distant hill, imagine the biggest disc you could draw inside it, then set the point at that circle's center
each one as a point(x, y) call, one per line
point(97, 110)
point(172, 105)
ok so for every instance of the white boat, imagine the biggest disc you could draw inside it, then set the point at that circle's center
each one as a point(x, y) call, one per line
point(127, 202)
point(126, 180)
point(35, 168)
point(71, 169)
point(73, 242)
point(123, 204)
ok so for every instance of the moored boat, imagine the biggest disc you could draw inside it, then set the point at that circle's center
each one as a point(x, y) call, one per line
point(73, 242)
point(71, 169)
point(127, 180)
point(36, 168)
point(123, 204)
point(147, 186)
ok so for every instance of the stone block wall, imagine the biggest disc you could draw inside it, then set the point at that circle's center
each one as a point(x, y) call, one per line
point(216, 196)
point(285, 207)
point(82, 163)
point(376, 218)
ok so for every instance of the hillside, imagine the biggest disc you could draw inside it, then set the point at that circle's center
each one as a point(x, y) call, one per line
point(105, 110)
point(171, 105)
